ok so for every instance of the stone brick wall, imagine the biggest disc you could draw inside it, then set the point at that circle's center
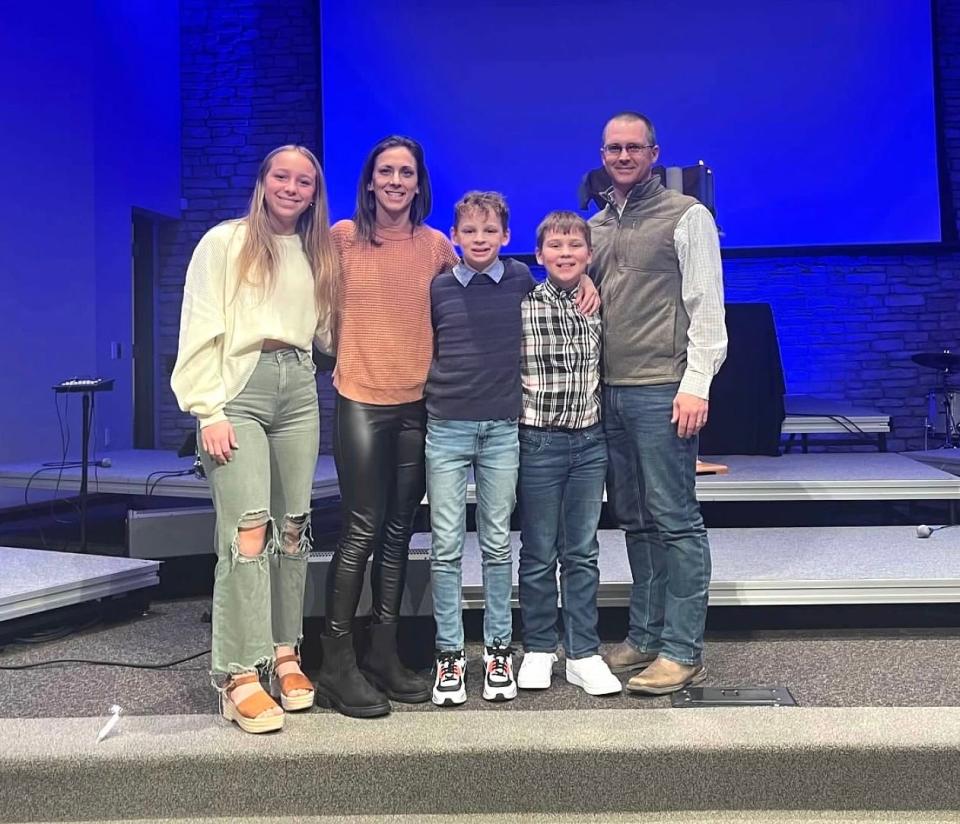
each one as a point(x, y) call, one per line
point(847, 326)
point(847, 323)
point(250, 81)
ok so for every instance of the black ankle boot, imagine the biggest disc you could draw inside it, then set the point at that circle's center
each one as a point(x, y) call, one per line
point(341, 685)
point(383, 667)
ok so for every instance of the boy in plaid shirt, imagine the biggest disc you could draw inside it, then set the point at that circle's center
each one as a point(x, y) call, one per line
point(563, 462)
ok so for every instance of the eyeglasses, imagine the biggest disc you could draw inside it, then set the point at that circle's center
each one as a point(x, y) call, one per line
point(633, 149)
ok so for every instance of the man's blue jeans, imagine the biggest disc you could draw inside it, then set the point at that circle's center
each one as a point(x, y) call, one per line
point(651, 491)
point(561, 492)
point(491, 448)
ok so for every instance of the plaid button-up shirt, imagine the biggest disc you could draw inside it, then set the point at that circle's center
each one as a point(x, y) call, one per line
point(560, 360)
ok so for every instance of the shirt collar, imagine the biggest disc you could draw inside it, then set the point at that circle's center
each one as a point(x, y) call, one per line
point(641, 191)
point(554, 292)
point(464, 273)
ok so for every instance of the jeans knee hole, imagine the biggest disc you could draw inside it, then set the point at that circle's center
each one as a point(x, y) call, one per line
point(251, 520)
point(297, 534)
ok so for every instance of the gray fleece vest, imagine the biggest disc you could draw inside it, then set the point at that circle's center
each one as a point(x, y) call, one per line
point(636, 269)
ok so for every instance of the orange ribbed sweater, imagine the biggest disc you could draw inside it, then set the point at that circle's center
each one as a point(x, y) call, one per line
point(386, 337)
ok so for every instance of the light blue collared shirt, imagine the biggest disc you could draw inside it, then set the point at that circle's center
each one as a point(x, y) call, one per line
point(464, 274)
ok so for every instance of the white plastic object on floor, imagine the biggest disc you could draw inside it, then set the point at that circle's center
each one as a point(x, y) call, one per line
point(112, 722)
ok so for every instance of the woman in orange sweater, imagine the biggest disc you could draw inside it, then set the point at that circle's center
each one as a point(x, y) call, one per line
point(388, 258)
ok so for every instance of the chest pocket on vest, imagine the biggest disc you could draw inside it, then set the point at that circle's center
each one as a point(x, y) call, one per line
point(646, 245)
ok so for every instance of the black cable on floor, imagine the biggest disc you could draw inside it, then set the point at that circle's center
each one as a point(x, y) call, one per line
point(162, 475)
point(56, 633)
point(94, 663)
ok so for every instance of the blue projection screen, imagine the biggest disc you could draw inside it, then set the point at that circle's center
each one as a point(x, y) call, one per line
point(817, 116)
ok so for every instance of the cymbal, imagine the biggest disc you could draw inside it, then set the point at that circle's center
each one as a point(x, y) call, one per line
point(937, 360)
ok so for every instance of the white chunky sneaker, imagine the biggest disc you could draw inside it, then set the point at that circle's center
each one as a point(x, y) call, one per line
point(498, 681)
point(593, 676)
point(448, 684)
point(536, 670)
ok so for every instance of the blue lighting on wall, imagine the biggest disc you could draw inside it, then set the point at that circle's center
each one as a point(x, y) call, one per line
point(817, 117)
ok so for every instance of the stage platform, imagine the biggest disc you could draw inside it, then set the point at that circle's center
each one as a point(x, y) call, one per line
point(166, 533)
point(827, 476)
point(751, 568)
point(35, 580)
point(146, 472)
point(824, 476)
point(946, 460)
point(821, 476)
point(812, 415)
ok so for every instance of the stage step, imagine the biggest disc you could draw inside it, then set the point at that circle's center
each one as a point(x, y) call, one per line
point(771, 566)
point(37, 580)
point(683, 817)
point(591, 761)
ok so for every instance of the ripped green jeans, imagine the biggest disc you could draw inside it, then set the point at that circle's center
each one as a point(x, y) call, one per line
point(258, 601)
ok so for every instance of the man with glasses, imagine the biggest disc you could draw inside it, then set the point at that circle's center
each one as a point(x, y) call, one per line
point(657, 265)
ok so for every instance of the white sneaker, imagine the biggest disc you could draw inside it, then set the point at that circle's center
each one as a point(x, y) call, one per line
point(593, 676)
point(498, 681)
point(450, 674)
point(536, 670)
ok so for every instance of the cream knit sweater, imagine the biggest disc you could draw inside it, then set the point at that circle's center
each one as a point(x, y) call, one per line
point(222, 329)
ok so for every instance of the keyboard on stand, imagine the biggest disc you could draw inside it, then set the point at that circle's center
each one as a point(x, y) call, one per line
point(84, 385)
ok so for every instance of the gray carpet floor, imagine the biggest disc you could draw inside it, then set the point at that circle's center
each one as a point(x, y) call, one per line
point(837, 667)
point(698, 817)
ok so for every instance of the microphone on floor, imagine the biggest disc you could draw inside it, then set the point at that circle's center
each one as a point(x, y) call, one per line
point(924, 531)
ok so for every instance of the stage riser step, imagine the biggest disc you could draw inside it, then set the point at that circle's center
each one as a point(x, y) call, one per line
point(501, 761)
point(36, 580)
point(776, 566)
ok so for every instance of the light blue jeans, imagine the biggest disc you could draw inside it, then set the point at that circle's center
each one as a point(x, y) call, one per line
point(651, 492)
point(258, 601)
point(491, 448)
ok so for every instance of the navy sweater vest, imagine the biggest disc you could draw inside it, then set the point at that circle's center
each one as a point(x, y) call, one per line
point(475, 374)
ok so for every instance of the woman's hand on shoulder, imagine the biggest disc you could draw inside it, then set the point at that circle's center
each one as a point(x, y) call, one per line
point(219, 440)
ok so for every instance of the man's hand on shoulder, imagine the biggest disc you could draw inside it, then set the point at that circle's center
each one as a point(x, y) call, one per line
point(588, 298)
point(689, 414)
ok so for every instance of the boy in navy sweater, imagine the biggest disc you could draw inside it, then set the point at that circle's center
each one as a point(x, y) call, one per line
point(473, 402)
point(473, 398)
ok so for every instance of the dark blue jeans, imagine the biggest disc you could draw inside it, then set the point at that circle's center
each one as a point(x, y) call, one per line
point(560, 492)
point(651, 491)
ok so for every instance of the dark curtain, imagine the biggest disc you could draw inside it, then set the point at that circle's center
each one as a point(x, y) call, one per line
point(746, 399)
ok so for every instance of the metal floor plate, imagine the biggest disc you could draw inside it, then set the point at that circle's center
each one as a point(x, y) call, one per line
point(732, 697)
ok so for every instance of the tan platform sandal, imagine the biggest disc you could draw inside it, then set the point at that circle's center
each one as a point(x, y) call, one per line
point(293, 681)
point(246, 713)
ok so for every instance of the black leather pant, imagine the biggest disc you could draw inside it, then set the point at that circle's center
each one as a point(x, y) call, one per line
point(380, 463)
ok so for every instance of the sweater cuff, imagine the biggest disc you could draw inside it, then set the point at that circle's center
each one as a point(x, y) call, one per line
point(215, 417)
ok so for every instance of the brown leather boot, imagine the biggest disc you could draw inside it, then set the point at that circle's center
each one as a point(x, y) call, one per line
point(625, 657)
point(664, 676)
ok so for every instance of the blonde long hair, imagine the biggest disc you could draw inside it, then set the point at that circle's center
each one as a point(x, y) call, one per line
point(259, 258)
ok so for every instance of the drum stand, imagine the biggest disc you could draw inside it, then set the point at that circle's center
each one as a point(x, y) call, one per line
point(951, 426)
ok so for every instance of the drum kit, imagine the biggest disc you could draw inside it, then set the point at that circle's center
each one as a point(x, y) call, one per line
point(943, 403)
